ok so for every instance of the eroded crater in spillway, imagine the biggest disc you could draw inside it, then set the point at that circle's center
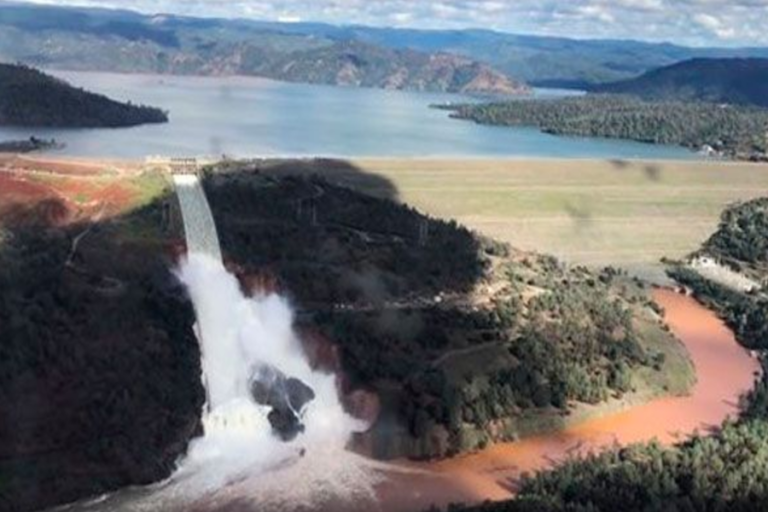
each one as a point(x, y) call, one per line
point(286, 396)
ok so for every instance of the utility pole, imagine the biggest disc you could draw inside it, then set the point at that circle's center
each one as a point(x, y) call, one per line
point(765, 142)
point(423, 232)
point(166, 221)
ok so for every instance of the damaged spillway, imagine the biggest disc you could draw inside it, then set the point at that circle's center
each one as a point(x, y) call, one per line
point(267, 409)
point(251, 359)
point(275, 432)
point(199, 226)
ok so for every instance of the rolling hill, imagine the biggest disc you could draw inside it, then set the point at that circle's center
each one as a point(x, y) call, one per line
point(121, 41)
point(352, 63)
point(546, 61)
point(734, 81)
point(440, 323)
point(723, 471)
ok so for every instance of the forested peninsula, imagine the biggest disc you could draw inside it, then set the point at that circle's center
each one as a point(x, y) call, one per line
point(739, 132)
point(31, 98)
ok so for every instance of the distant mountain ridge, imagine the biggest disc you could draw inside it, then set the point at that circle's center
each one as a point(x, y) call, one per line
point(544, 61)
point(734, 81)
point(355, 64)
point(125, 41)
point(359, 64)
point(31, 98)
point(120, 41)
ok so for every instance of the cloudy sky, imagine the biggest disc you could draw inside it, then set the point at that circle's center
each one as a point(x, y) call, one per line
point(695, 22)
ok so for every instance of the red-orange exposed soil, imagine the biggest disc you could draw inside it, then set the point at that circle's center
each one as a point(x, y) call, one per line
point(14, 189)
point(60, 166)
point(52, 192)
point(26, 202)
point(74, 193)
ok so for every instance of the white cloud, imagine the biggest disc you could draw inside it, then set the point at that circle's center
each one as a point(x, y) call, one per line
point(715, 25)
point(289, 18)
point(743, 22)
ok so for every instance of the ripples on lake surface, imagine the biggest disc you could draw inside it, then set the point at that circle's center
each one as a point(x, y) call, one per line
point(256, 117)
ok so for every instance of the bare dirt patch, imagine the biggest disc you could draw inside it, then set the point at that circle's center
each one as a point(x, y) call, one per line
point(67, 166)
point(57, 192)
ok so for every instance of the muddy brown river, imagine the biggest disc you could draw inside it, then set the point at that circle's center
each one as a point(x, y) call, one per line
point(725, 371)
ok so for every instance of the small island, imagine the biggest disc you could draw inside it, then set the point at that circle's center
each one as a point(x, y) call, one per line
point(29, 145)
point(31, 98)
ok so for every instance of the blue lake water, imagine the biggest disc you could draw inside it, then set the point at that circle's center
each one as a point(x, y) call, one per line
point(255, 117)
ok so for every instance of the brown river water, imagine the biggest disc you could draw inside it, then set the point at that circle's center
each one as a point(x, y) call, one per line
point(725, 371)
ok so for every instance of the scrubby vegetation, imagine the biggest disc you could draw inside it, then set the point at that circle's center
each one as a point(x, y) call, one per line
point(741, 242)
point(475, 376)
point(355, 63)
point(740, 132)
point(331, 245)
point(727, 471)
point(466, 340)
point(28, 145)
point(742, 239)
point(31, 98)
point(128, 42)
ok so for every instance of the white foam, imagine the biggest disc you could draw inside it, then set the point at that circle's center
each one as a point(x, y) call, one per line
point(237, 335)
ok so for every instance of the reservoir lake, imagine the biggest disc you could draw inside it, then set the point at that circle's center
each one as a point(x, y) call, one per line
point(252, 117)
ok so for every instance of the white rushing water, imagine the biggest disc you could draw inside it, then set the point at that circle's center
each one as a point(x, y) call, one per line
point(239, 453)
point(239, 464)
point(239, 459)
point(199, 226)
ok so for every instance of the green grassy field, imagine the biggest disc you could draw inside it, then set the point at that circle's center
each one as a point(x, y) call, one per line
point(590, 212)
